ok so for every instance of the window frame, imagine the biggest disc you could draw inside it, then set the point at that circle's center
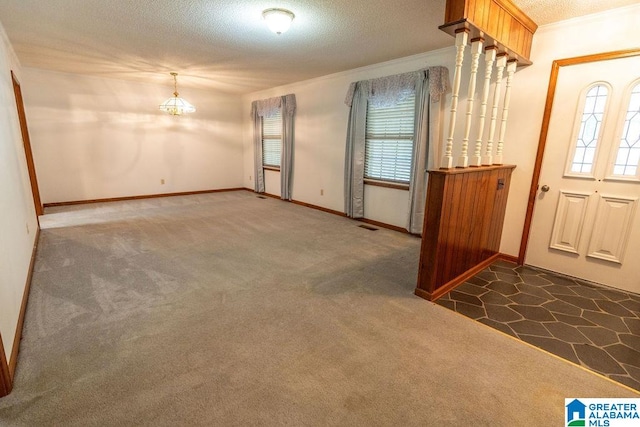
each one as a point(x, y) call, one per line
point(383, 182)
point(615, 146)
point(268, 166)
point(578, 115)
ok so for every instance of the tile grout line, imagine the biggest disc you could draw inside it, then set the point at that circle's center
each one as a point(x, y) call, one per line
point(542, 350)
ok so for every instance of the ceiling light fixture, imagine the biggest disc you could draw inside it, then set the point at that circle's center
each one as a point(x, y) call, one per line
point(176, 106)
point(278, 20)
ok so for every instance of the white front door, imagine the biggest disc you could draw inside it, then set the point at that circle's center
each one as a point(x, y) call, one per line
point(586, 222)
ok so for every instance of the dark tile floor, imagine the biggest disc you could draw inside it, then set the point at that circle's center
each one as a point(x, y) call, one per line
point(593, 326)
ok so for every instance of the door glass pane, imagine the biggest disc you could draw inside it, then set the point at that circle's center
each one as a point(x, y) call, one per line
point(628, 156)
point(591, 120)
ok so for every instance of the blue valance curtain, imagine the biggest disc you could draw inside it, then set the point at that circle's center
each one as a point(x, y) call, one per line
point(427, 84)
point(268, 108)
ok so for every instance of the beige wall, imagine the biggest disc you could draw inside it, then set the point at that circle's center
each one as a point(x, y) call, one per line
point(321, 122)
point(99, 138)
point(320, 132)
point(609, 31)
point(18, 222)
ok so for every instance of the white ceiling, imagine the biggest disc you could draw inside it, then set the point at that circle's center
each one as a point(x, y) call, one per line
point(225, 45)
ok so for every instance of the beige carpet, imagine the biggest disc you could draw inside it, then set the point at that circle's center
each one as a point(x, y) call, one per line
point(227, 309)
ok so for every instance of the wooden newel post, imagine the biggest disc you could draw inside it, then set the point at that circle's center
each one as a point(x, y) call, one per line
point(476, 49)
point(501, 63)
point(511, 70)
point(461, 42)
point(489, 58)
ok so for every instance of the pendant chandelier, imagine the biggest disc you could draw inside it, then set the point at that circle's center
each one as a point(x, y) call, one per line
point(176, 106)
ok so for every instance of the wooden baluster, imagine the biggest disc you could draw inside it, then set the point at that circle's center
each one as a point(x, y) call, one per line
point(461, 42)
point(489, 58)
point(511, 70)
point(501, 63)
point(476, 49)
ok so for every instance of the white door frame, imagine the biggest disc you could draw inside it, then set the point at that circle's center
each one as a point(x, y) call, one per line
point(542, 142)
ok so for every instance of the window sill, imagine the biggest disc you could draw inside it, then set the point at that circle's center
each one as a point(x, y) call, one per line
point(387, 184)
point(271, 168)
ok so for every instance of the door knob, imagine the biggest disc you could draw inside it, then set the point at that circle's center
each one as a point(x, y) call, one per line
point(544, 188)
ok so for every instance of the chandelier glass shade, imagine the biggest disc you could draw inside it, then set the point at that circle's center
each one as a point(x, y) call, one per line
point(176, 106)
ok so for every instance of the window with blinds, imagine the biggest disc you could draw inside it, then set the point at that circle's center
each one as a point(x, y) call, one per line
point(272, 140)
point(389, 141)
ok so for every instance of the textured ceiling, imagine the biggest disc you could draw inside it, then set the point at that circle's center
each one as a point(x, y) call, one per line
point(224, 44)
point(549, 11)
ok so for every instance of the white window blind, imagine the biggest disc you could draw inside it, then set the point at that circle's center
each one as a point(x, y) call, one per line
point(389, 141)
point(272, 140)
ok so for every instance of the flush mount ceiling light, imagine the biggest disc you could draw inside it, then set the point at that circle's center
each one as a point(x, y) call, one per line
point(278, 20)
point(176, 106)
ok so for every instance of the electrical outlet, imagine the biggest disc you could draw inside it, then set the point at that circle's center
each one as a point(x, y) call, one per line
point(162, 181)
point(322, 192)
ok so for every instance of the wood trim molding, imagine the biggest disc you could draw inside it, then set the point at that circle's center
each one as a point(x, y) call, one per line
point(499, 22)
point(23, 309)
point(146, 196)
point(5, 376)
point(338, 213)
point(458, 280)
point(544, 131)
point(26, 143)
point(509, 258)
point(454, 171)
point(386, 184)
point(318, 208)
point(8, 369)
point(464, 277)
point(518, 15)
point(463, 221)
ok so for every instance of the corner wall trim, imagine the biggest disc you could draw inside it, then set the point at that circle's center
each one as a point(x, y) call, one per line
point(5, 376)
point(145, 196)
point(509, 258)
point(13, 362)
point(458, 280)
point(452, 284)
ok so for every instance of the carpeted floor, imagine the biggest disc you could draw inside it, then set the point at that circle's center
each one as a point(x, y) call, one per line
point(227, 309)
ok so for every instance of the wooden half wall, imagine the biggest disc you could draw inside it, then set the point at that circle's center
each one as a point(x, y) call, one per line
point(499, 22)
point(463, 225)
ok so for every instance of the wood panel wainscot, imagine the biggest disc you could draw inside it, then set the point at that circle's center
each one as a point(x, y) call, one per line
point(462, 226)
point(499, 22)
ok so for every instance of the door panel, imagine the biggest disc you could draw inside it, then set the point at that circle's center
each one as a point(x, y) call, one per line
point(567, 227)
point(586, 224)
point(612, 228)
